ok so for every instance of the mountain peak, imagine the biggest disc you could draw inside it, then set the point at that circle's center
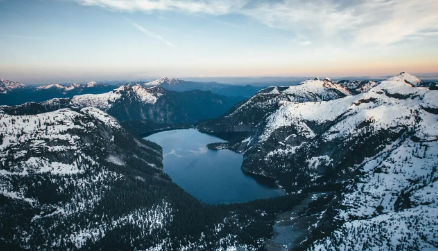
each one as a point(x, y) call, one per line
point(91, 84)
point(7, 85)
point(317, 85)
point(407, 78)
point(163, 80)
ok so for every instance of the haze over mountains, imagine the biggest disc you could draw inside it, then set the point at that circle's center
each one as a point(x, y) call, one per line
point(217, 88)
point(363, 152)
point(135, 102)
point(14, 93)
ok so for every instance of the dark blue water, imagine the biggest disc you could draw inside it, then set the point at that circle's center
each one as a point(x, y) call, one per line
point(211, 176)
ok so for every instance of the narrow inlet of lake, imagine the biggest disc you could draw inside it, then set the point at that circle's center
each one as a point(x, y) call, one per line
point(209, 175)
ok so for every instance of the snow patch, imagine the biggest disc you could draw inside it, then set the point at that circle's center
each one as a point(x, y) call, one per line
point(115, 160)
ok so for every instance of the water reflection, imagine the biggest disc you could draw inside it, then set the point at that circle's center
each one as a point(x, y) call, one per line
point(211, 176)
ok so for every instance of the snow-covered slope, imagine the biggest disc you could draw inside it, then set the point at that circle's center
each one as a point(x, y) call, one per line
point(393, 204)
point(58, 168)
point(13, 93)
point(38, 130)
point(163, 81)
point(102, 101)
point(67, 87)
point(76, 180)
point(91, 84)
point(249, 114)
point(7, 85)
point(58, 86)
point(377, 151)
point(357, 87)
point(407, 78)
point(136, 102)
point(393, 107)
point(133, 97)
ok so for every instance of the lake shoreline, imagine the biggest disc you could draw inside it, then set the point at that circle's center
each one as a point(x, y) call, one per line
point(212, 176)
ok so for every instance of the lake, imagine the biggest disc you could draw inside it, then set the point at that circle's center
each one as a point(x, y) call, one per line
point(212, 176)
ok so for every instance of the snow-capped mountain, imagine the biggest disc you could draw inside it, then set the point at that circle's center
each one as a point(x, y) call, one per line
point(245, 116)
point(67, 87)
point(91, 84)
point(71, 178)
point(179, 85)
point(163, 81)
point(105, 101)
point(135, 102)
point(48, 86)
point(76, 180)
point(13, 93)
point(7, 86)
point(407, 78)
point(358, 86)
point(377, 151)
point(59, 168)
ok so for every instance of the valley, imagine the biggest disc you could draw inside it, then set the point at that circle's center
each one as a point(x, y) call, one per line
point(209, 125)
point(304, 167)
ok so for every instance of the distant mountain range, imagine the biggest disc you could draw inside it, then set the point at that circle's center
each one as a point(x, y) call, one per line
point(8, 86)
point(136, 102)
point(221, 89)
point(14, 93)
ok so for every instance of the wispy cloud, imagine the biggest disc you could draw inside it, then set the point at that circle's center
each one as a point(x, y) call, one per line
point(168, 43)
point(375, 22)
point(151, 34)
point(213, 7)
point(378, 22)
point(24, 37)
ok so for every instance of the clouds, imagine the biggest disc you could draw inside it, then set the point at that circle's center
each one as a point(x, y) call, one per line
point(202, 6)
point(375, 22)
point(378, 22)
point(386, 22)
point(23, 37)
point(151, 34)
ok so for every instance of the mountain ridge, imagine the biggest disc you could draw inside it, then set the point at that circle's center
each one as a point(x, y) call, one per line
point(74, 179)
point(376, 151)
point(135, 102)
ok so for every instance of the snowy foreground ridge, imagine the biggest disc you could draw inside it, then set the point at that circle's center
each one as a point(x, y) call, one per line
point(47, 132)
point(381, 143)
point(74, 179)
point(394, 204)
point(57, 167)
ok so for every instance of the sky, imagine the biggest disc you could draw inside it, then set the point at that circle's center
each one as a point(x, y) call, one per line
point(79, 40)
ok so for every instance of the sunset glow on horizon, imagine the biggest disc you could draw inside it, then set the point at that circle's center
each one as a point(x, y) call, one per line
point(78, 40)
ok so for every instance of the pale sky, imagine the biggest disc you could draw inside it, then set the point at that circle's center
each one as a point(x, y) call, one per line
point(77, 40)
